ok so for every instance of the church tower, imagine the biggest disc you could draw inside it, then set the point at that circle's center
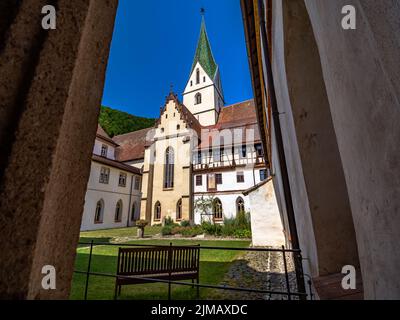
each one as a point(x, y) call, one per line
point(203, 94)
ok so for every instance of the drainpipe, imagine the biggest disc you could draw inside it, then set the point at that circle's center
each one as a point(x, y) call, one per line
point(130, 200)
point(280, 148)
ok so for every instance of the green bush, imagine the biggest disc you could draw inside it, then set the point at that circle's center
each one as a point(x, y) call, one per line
point(185, 223)
point(241, 233)
point(168, 221)
point(192, 231)
point(238, 227)
point(212, 229)
point(167, 230)
point(187, 231)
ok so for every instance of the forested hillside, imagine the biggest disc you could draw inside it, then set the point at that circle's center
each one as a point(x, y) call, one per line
point(116, 122)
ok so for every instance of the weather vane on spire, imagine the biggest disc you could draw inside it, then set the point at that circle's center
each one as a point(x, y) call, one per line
point(202, 11)
point(171, 88)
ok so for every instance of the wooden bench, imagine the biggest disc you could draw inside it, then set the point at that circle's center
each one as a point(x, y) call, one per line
point(161, 263)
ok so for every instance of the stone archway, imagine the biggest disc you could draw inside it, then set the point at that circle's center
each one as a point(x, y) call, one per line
point(47, 127)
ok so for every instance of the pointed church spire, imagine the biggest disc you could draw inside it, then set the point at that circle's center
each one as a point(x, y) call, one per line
point(203, 52)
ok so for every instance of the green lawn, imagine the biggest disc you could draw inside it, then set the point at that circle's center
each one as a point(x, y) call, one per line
point(213, 265)
point(110, 235)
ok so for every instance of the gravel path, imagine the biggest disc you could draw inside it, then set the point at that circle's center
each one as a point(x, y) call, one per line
point(257, 270)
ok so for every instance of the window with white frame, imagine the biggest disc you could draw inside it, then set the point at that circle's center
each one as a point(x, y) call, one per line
point(122, 179)
point(137, 183)
point(240, 177)
point(104, 175)
point(263, 174)
point(104, 149)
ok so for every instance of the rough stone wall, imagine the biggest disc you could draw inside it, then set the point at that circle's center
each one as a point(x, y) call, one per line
point(51, 86)
point(362, 74)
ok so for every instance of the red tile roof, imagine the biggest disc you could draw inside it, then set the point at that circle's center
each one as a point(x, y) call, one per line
point(101, 134)
point(132, 145)
point(240, 119)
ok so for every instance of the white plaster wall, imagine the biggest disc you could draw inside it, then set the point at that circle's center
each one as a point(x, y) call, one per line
point(110, 150)
point(266, 224)
point(110, 193)
point(136, 163)
point(229, 181)
point(228, 205)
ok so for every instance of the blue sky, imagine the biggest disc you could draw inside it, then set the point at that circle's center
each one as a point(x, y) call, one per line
point(154, 44)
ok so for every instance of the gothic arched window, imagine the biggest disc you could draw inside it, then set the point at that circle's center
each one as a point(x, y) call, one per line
point(217, 209)
point(157, 211)
point(179, 210)
point(197, 76)
point(98, 216)
point(197, 98)
point(169, 169)
point(239, 205)
point(118, 211)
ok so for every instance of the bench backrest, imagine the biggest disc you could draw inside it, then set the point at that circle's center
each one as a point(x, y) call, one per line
point(154, 260)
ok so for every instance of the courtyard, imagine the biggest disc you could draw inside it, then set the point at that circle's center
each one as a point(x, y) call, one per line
point(213, 265)
point(257, 270)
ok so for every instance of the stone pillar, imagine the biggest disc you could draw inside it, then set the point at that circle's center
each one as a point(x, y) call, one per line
point(51, 86)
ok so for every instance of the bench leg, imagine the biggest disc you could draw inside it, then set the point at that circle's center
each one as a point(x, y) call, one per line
point(193, 283)
point(119, 290)
point(115, 292)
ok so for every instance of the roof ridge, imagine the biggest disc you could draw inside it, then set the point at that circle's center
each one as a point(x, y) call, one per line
point(238, 103)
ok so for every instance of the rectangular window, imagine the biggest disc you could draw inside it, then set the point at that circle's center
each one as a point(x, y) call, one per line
point(199, 180)
point(240, 177)
point(218, 178)
point(259, 150)
point(243, 152)
point(263, 175)
point(104, 175)
point(199, 157)
point(217, 155)
point(122, 179)
point(137, 183)
point(104, 149)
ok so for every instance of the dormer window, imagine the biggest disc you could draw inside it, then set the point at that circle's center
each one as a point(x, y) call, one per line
point(197, 98)
point(197, 76)
point(104, 149)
